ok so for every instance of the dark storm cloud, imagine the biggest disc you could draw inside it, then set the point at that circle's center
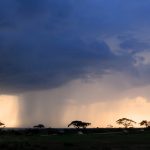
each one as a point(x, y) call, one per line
point(44, 44)
point(134, 45)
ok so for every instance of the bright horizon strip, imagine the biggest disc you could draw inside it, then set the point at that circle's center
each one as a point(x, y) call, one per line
point(107, 113)
point(9, 110)
point(99, 114)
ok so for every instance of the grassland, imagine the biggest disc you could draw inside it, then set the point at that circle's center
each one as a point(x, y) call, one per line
point(90, 141)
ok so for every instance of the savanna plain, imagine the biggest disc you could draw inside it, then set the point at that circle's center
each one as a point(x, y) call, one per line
point(104, 139)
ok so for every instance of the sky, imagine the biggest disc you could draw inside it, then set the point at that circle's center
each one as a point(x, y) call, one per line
point(64, 60)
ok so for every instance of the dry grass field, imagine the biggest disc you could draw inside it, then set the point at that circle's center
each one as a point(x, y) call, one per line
point(91, 141)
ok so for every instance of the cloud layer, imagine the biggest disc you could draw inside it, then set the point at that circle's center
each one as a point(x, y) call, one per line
point(45, 44)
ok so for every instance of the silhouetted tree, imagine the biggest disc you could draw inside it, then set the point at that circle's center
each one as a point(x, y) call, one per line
point(39, 126)
point(125, 122)
point(109, 126)
point(2, 124)
point(145, 123)
point(78, 124)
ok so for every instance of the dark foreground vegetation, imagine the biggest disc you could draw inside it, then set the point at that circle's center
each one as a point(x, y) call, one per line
point(73, 139)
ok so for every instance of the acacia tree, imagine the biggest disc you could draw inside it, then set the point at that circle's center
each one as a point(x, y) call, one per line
point(145, 123)
point(109, 126)
point(125, 122)
point(39, 126)
point(2, 124)
point(78, 124)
